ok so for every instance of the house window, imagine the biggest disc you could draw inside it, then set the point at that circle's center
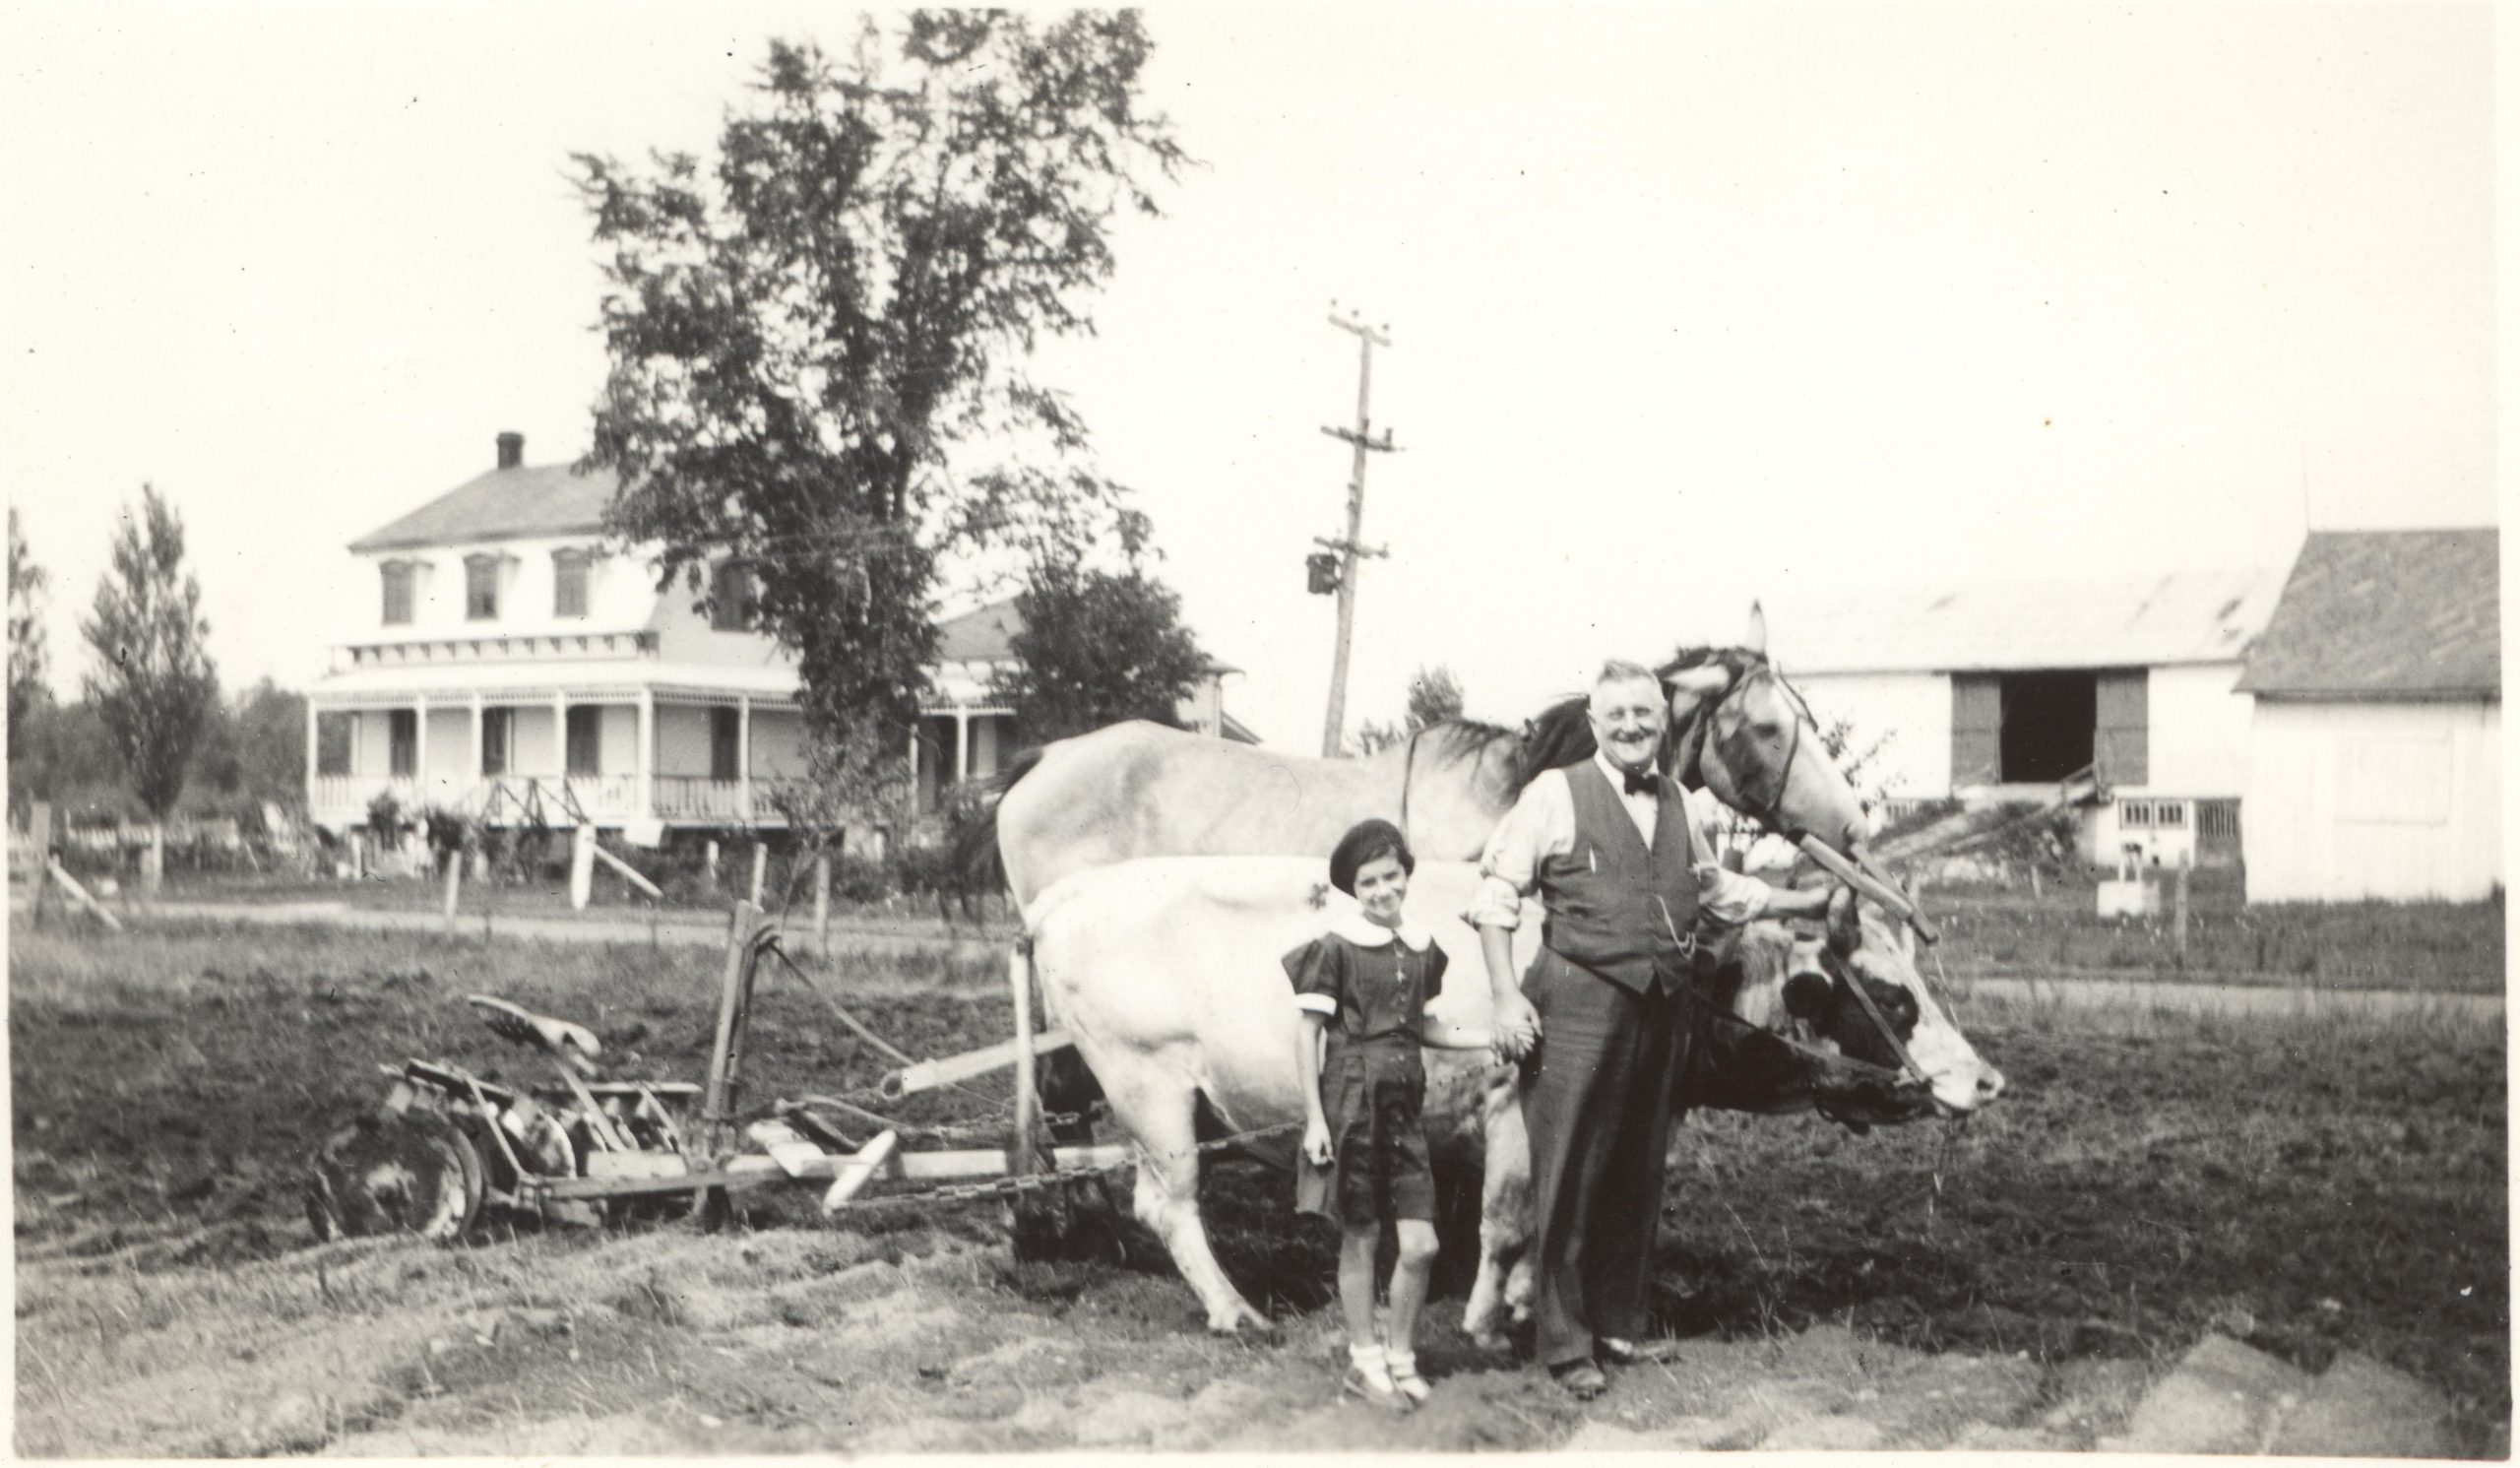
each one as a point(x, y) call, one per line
point(726, 737)
point(498, 739)
point(731, 597)
point(569, 583)
point(480, 587)
point(585, 741)
point(398, 592)
point(333, 743)
point(403, 742)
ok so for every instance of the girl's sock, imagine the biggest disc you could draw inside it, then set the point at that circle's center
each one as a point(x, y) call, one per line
point(1402, 1366)
point(1369, 1362)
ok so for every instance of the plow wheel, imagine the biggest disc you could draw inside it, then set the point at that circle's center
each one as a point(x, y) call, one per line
point(395, 1173)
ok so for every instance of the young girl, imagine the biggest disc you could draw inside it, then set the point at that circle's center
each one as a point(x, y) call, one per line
point(1365, 984)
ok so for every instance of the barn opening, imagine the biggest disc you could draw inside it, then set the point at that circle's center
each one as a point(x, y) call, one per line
point(2039, 726)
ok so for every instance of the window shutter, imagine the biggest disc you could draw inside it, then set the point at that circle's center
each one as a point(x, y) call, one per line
point(2121, 741)
point(1976, 728)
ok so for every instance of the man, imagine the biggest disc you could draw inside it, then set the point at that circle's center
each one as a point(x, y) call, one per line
point(1628, 884)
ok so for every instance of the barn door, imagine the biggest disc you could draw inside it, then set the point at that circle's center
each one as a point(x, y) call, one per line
point(1977, 728)
point(2121, 744)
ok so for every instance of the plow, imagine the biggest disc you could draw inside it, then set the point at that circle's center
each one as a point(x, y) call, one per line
point(449, 1152)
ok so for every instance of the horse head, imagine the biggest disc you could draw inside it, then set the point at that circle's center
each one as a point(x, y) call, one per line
point(1738, 729)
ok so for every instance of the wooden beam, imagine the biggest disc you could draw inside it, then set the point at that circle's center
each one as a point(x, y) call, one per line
point(754, 1170)
point(627, 872)
point(80, 895)
point(927, 1075)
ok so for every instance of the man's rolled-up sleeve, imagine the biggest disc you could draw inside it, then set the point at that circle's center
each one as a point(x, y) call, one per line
point(1728, 899)
point(1509, 869)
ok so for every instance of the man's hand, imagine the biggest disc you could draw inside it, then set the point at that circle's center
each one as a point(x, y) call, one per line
point(1316, 1142)
point(1517, 1027)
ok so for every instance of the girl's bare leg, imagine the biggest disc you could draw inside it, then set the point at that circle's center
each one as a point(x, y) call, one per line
point(1408, 1277)
point(1357, 1247)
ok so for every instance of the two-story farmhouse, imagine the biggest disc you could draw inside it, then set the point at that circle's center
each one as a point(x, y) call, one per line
point(502, 661)
point(1998, 691)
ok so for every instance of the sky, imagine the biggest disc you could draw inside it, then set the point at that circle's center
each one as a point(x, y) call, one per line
point(1687, 306)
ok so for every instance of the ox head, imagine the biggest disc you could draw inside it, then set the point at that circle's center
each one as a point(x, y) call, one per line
point(1805, 989)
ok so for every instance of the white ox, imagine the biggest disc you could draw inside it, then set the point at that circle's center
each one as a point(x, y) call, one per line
point(1167, 971)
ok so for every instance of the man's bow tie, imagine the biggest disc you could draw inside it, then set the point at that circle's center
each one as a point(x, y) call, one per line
point(1638, 782)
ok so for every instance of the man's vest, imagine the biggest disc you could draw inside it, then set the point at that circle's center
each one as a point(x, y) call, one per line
point(1602, 893)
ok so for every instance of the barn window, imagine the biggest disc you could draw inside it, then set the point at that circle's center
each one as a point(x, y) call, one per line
point(398, 576)
point(569, 583)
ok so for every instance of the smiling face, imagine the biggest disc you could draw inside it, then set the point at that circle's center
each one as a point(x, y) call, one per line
point(1628, 716)
point(1381, 887)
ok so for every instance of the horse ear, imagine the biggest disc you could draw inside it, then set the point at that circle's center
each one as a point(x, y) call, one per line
point(1690, 686)
point(1756, 638)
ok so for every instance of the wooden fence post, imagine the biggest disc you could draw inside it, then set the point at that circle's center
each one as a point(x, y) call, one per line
point(582, 867)
point(2178, 914)
point(709, 860)
point(822, 901)
point(1019, 978)
point(760, 868)
point(454, 884)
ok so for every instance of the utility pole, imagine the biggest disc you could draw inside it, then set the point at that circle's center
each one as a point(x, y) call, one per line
point(1348, 549)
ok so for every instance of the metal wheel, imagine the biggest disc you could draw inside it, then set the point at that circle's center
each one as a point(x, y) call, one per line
point(395, 1173)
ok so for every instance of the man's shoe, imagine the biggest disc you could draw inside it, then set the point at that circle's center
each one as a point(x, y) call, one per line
point(1580, 1380)
point(1616, 1352)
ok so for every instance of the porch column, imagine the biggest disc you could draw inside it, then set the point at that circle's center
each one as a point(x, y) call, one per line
point(314, 767)
point(645, 801)
point(421, 748)
point(478, 773)
point(559, 742)
point(743, 755)
point(962, 746)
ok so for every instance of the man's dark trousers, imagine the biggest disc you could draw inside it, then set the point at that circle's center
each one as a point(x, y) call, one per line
point(1598, 1106)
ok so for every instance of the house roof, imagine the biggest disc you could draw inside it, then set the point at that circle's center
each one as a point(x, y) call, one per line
point(2400, 614)
point(2126, 621)
point(986, 634)
point(543, 499)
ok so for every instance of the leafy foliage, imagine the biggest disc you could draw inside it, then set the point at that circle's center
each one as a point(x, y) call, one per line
point(156, 686)
point(252, 750)
point(805, 348)
point(1434, 696)
point(27, 692)
point(1097, 648)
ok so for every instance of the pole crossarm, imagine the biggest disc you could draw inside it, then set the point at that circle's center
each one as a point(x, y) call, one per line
point(1382, 445)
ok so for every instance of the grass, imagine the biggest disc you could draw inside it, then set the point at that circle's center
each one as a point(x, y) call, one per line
point(2310, 1184)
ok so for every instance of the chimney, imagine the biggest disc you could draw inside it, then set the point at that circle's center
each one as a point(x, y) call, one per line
point(511, 450)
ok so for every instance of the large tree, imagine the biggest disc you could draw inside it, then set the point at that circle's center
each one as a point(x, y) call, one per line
point(1096, 647)
point(811, 346)
point(27, 692)
point(155, 685)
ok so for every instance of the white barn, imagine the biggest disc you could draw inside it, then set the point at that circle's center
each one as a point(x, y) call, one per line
point(2376, 763)
point(1998, 691)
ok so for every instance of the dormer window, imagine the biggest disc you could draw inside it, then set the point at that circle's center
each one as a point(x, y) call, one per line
point(481, 587)
point(569, 569)
point(731, 597)
point(399, 578)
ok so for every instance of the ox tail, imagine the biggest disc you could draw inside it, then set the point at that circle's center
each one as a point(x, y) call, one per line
point(978, 863)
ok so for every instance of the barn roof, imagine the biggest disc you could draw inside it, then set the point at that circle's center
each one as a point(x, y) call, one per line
point(2126, 621)
point(544, 499)
point(2398, 614)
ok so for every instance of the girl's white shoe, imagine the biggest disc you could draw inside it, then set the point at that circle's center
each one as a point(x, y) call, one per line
point(1404, 1375)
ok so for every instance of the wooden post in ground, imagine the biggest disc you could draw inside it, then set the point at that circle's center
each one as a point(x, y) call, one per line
point(822, 901)
point(153, 860)
point(760, 869)
point(582, 867)
point(1019, 978)
point(2179, 910)
point(744, 930)
point(709, 860)
point(79, 894)
point(454, 886)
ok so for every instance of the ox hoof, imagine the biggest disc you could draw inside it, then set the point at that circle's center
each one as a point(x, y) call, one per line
point(1489, 1340)
point(1231, 1322)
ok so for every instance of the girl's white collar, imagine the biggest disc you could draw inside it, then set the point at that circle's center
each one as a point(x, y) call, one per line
point(1350, 922)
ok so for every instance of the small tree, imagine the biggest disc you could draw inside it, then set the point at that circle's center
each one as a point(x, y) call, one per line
point(1097, 648)
point(27, 692)
point(253, 749)
point(1434, 696)
point(155, 685)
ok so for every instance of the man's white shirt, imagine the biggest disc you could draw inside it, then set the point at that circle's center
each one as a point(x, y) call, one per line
point(1541, 824)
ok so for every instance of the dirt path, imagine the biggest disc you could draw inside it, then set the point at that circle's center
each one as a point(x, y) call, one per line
point(785, 1341)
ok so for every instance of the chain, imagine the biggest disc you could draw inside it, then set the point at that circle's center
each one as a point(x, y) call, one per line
point(953, 1193)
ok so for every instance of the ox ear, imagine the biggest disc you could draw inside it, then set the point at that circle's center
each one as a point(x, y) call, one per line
point(1755, 638)
point(1845, 922)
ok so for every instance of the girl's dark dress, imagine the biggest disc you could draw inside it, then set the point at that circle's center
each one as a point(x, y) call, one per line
point(1373, 1084)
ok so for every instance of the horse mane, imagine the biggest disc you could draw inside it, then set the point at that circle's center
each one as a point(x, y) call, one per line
point(1561, 734)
